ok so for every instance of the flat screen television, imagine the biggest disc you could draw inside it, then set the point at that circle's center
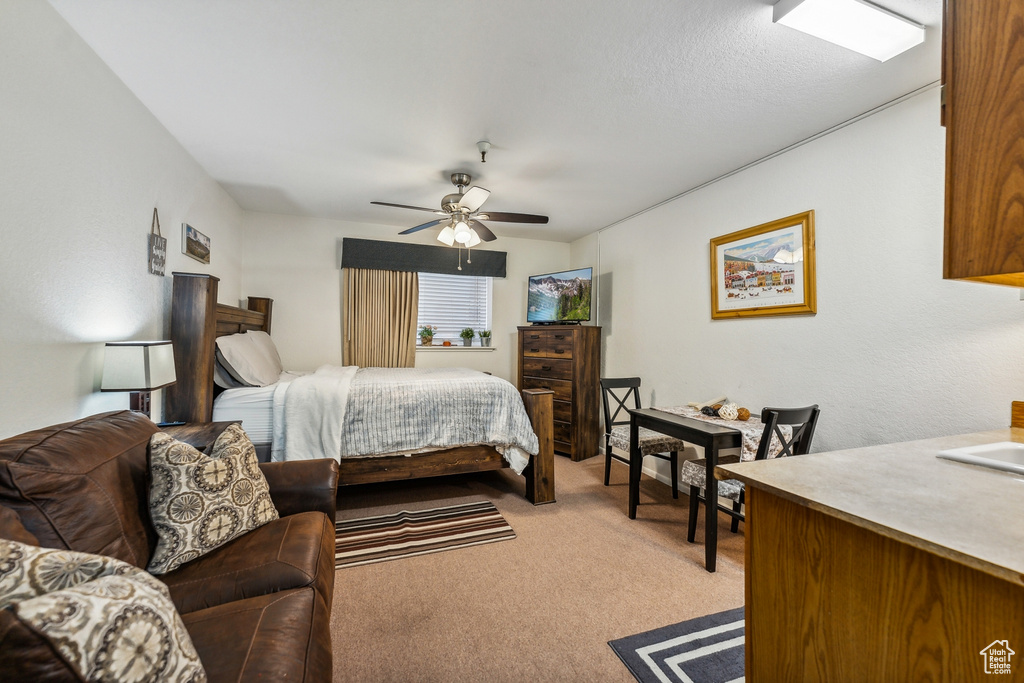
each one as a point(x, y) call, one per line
point(559, 297)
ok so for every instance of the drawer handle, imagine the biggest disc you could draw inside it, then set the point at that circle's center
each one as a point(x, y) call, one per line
point(559, 336)
point(534, 336)
point(559, 350)
point(534, 350)
point(545, 367)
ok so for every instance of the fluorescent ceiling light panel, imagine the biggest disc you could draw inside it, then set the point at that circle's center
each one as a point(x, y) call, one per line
point(854, 24)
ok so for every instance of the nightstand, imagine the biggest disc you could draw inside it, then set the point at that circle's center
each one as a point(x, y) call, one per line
point(199, 435)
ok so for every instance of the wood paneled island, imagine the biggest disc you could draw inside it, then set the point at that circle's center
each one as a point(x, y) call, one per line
point(883, 563)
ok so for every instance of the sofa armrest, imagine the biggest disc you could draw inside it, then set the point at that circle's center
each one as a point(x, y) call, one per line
point(303, 485)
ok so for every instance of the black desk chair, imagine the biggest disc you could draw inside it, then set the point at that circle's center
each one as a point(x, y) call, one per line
point(803, 422)
point(616, 428)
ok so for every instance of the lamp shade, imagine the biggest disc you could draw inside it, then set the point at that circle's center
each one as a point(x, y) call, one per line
point(447, 235)
point(137, 366)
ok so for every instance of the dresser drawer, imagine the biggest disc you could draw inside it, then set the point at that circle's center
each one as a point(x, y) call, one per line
point(563, 432)
point(556, 368)
point(563, 411)
point(547, 344)
point(561, 387)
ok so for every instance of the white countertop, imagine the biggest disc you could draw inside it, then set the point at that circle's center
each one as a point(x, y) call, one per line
point(969, 514)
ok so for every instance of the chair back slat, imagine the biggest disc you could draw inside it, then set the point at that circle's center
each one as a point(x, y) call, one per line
point(611, 394)
point(802, 420)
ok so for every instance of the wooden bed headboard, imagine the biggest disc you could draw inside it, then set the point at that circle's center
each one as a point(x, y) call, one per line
point(196, 322)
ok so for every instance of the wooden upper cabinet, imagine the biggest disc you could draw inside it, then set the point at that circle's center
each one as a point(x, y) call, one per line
point(983, 70)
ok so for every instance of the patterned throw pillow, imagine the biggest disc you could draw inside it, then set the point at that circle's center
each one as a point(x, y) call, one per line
point(109, 621)
point(200, 502)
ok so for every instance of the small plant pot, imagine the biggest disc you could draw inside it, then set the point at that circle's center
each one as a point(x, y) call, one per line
point(426, 341)
point(467, 342)
point(485, 341)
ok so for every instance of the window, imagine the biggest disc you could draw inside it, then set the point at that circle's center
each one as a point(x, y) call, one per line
point(454, 302)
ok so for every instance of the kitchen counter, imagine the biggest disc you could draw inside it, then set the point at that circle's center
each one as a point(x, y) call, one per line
point(966, 513)
point(884, 563)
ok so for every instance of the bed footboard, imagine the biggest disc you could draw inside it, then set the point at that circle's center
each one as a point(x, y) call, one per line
point(540, 473)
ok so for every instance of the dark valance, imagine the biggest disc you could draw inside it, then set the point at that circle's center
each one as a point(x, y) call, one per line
point(419, 258)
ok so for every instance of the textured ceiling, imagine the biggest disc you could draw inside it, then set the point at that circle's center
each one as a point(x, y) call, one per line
point(595, 110)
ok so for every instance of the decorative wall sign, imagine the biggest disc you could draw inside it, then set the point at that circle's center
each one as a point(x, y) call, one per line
point(157, 247)
point(195, 243)
point(765, 270)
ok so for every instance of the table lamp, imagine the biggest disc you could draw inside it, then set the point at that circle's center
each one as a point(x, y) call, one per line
point(138, 367)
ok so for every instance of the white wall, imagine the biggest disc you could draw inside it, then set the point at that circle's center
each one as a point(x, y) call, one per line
point(295, 261)
point(894, 353)
point(82, 164)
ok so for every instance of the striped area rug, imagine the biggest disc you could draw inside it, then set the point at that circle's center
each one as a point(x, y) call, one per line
point(702, 650)
point(406, 534)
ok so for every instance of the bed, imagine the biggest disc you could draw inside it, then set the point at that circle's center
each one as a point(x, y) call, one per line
point(197, 320)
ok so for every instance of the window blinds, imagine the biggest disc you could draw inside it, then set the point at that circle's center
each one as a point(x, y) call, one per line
point(454, 302)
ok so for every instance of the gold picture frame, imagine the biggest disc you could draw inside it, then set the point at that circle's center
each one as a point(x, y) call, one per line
point(765, 270)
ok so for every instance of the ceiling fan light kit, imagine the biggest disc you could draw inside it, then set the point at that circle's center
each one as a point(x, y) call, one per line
point(857, 25)
point(462, 216)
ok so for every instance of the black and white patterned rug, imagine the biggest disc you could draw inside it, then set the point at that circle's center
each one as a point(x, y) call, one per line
point(702, 650)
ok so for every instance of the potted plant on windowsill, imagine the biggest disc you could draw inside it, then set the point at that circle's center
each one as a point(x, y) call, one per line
point(485, 337)
point(426, 334)
point(467, 336)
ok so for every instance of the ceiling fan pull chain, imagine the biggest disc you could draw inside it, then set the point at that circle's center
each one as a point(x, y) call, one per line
point(469, 254)
point(460, 258)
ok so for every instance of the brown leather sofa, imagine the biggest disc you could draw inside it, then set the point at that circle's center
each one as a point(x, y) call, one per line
point(257, 608)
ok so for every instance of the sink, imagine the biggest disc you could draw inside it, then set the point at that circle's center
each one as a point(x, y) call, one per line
point(1004, 455)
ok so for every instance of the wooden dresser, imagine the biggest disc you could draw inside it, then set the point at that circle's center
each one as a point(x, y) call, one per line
point(566, 359)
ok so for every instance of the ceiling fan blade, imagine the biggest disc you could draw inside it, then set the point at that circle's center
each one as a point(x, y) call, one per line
point(474, 198)
point(405, 206)
point(485, 233)
point(515, 217)
point(424, 226)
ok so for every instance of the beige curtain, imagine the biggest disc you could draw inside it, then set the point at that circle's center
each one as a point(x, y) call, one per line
point(379, 315)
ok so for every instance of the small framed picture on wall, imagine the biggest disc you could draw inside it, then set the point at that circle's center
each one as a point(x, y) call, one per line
point(195, 243)
point(765, 270)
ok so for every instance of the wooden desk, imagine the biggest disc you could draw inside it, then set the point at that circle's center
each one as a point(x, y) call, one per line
point(711, 437)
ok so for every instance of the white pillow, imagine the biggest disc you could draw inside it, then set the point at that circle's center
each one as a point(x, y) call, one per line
point(269, 349)
point(247, 361)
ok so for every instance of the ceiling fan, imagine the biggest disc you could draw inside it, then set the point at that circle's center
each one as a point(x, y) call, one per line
point(461, 215)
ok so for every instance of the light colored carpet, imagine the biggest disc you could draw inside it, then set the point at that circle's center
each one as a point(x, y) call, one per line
point(541, 607)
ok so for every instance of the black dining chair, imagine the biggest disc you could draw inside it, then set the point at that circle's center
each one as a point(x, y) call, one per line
point(620, 391)
point(802, 421)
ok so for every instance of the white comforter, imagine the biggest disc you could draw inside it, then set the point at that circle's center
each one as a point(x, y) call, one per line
point(309, 412)
point(346, 412)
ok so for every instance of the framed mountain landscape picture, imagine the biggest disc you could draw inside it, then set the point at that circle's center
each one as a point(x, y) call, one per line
point(765, 270)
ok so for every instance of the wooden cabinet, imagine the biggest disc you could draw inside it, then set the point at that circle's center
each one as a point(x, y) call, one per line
point(566, 359)
point(983, 111)
point(828, 600)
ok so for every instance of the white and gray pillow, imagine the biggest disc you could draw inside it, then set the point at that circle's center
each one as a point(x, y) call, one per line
point(223, 375)
point(250, 357)
point(199, 502)
point(108, 619)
